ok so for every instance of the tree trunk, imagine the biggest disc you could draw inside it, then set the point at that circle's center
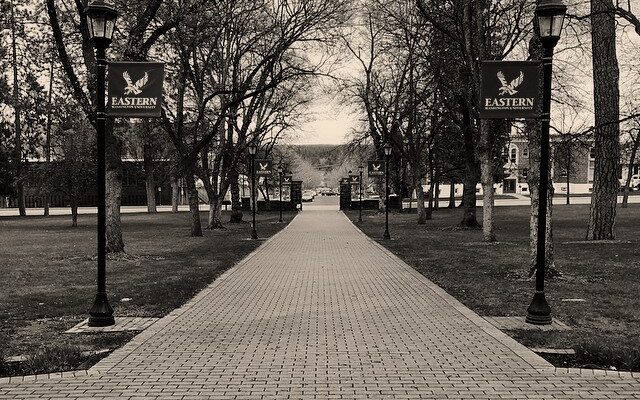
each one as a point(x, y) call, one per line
point(74, 208)
point(236, 201)
point(115, 244)
point(17, 122)
point(607, 112)
point(533, 179)
point(150, 181)
point(215, 212)
point(422, 213)
point(194, 203)
point(632, 161)
point(533, 129)
point(436, 194)
point(452, 194)
point(488, 232)
point(47, 195)
point(569, 157)
point(429, 210)
point(470, 180)
point(175, 193)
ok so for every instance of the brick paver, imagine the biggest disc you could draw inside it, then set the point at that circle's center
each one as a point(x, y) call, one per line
point(321, 311)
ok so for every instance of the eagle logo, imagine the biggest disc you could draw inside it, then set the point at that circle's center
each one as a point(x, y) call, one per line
point(376, 167)
point(263, 167)
point(509, 88)
point(135, 88)
point(286, 179)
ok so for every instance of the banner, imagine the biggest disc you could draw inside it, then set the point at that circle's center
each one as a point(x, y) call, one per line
point(354, 179)
point(264, 167)
point(286, 180)
point(510, 89)
point(376, 168)
point(135, 89)
point(344, 181)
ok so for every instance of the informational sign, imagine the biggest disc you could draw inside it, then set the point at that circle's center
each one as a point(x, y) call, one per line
point(264, 167)
point(286, 180)
point(344, 181)
point(135, 89)
point(510, 89)
point(376, 168)
point(354, 179)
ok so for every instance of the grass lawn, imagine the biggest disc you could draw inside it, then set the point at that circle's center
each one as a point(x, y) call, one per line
point(492, 279)
point(47, 275)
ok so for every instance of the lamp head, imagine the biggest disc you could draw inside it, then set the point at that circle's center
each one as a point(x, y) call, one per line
point(101, 18)
point(387, 149)
point(549, 20)
point(253, 149)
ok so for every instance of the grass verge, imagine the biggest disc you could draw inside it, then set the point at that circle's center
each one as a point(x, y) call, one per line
point(47, 272)
point(492, 279)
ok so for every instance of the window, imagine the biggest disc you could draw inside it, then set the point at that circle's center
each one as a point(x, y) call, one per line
point(592, 153)
point(514, 156)
point(525, 173)
point(525, 152)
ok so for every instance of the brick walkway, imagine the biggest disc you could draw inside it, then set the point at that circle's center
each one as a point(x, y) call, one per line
point(320, 311)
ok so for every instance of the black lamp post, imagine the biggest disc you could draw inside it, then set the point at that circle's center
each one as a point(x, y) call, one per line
point(101, 18)
point(253, 149)
point(280, 171)
point(549, 19)
point(361, 170)
point(387, 155)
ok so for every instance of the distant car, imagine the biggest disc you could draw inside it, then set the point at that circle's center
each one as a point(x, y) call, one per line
point(634, 184)
point(308, 195)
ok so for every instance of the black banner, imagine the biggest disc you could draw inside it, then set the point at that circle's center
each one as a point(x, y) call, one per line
point(510, 89)
point(376, 168)
point(264, 167)
point(354, 179)
point(344, 181)
point(287, 179)
point(135, 89)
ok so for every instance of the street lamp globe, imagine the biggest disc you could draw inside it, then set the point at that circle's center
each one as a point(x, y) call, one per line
point(280, 168)
point(387, 149)
point(361, 168)
point(101, 18)
point(253, 149)
point(550, 18)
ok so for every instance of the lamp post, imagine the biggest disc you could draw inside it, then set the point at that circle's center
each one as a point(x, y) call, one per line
point(549, 19)
point(387, 154)
point(361, 170)
point(280, 171)
point(253, 149)
point(101, 18)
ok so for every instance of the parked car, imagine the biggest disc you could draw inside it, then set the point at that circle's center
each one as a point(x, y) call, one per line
point(307, 196)
point(634, 184)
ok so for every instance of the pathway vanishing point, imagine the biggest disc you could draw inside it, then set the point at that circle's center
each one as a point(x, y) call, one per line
point(322, 312)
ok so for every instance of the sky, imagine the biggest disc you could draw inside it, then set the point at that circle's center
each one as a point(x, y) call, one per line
point(330, 123)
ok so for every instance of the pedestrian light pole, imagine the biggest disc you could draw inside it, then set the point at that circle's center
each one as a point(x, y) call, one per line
point(361, 170)
point(549, 19)
point(253, 149)
point(101, 18)
point(387, 155)
point(280, 171)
